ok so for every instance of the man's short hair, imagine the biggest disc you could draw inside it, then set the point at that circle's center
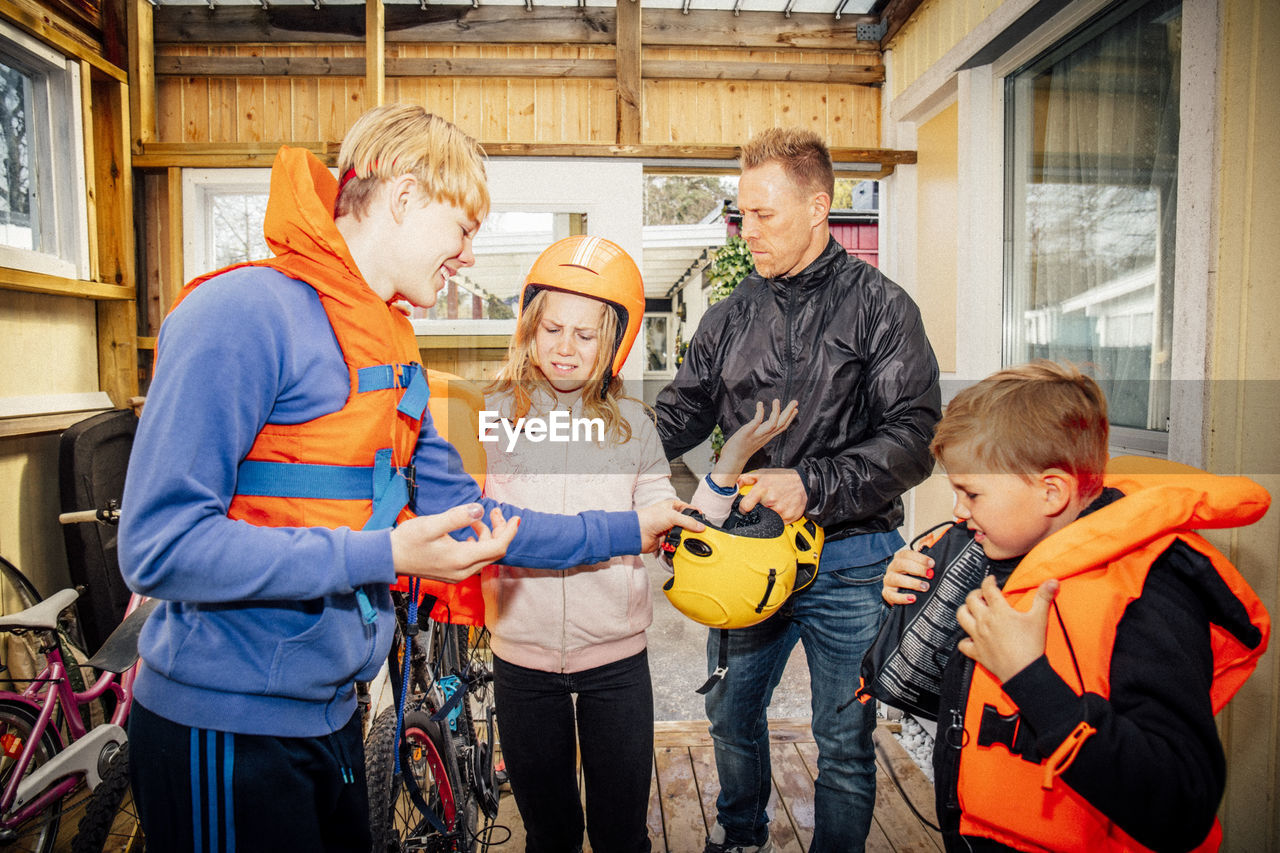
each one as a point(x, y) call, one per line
point(1029, 418)
point(802, 153)
point(398, 139)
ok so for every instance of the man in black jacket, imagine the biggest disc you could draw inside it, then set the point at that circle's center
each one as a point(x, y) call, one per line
point(814, 325)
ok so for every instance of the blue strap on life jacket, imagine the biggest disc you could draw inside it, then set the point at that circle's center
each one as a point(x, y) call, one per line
point(390, 488)
point(414, 401)
point(411, 631)
point(258, 478)
point(411, 623)
point(410, 377)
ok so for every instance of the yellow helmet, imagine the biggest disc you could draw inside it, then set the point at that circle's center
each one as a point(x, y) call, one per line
point(739, 573)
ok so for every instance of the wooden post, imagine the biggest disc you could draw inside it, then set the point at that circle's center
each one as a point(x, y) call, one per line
point(630, 119)
point(142, 71)
point(90, 167)
point(375, 53)
point(173, 247)
point(111, 213)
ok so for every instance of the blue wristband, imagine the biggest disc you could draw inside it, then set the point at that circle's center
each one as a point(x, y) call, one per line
point(719, 490)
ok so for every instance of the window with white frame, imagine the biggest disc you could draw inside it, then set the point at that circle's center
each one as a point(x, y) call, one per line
point(43, 226)
point(659, 350)
point(534, 203)
point(226, 209)
point(1091, 159)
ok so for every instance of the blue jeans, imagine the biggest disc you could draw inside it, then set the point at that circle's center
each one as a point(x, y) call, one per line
point(836, 619)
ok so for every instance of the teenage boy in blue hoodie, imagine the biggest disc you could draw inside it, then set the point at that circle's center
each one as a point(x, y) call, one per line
point(284, 436)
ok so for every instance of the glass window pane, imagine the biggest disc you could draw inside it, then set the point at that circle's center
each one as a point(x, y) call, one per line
point(507, 244)
point(657, 356)
point(1092, 153)
point(235, 221)
point(19, 217)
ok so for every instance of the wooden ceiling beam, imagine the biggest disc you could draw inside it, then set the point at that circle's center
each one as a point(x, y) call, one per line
point(654, 69)
point(896, 13)
point(226, 154)
point(582, 25)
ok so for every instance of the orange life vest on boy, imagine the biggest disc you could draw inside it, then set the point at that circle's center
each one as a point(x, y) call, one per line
point(1102, 561)
point(353, 467)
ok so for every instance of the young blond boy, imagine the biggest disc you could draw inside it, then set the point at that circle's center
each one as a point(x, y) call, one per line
point(1077, 712)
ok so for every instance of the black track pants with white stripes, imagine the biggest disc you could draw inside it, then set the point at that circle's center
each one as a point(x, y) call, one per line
point(209, 791)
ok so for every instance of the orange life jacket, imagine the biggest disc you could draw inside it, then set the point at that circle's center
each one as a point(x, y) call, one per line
point(352, 467)
point(1102, 561)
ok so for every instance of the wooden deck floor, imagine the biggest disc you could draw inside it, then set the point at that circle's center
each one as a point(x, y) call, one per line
point(683, 794)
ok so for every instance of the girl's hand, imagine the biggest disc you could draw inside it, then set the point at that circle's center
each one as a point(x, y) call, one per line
point(749, 438)
point(657, 519)
point(908, 570)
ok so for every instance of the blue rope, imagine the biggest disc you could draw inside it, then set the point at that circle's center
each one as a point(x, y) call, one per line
point(411, 628)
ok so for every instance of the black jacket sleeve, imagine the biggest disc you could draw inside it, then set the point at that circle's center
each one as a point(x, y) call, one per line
point(686, 409)
point(1155, 766)
point(901, 394)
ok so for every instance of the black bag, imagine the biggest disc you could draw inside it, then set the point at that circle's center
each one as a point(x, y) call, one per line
point(903, 667)
point(93, 456)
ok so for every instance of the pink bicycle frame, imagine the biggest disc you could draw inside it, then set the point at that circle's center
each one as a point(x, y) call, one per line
point(50, 689)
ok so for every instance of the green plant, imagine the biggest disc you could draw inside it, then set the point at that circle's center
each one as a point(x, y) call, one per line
point(729, 265)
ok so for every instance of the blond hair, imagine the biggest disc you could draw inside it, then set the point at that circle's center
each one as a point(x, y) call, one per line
point(801, 153)
point(398, 139)
point(1029, 418)
point(520, 373)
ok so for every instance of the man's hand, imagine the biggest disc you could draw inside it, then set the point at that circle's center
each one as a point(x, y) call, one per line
point(423, 547)
point(780, 489)
point(657, 519)
point(1004, 640)
point(906, 572)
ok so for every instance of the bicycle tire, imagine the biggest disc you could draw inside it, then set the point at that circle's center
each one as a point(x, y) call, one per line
point(396, 821)
point(17, 722)
point(110, 821)
point(26, 592)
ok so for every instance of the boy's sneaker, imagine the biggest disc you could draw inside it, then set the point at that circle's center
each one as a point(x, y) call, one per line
point(716, 844)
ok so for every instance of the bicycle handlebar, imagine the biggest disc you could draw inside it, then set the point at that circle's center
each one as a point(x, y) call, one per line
point(109, 514)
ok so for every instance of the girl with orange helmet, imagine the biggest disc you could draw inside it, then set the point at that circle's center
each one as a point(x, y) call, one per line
point(570, 663)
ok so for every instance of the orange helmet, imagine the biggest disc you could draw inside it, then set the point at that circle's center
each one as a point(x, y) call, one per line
point(595, 267)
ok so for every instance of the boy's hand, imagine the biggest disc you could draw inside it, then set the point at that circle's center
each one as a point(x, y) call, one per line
point(422, 546)
point(657, 519)
point(907, 571)
point(1004, 640)
point(749, 438)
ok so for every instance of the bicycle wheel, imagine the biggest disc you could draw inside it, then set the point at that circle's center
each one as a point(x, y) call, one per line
point(17, 725)
point(14, 582)
point(428, 782)
point(110, 820)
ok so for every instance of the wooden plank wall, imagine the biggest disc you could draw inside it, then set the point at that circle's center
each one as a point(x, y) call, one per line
point(568, 110)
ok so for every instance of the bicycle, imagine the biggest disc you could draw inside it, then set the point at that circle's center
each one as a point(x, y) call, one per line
point(445, 778)
point(47, 748)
